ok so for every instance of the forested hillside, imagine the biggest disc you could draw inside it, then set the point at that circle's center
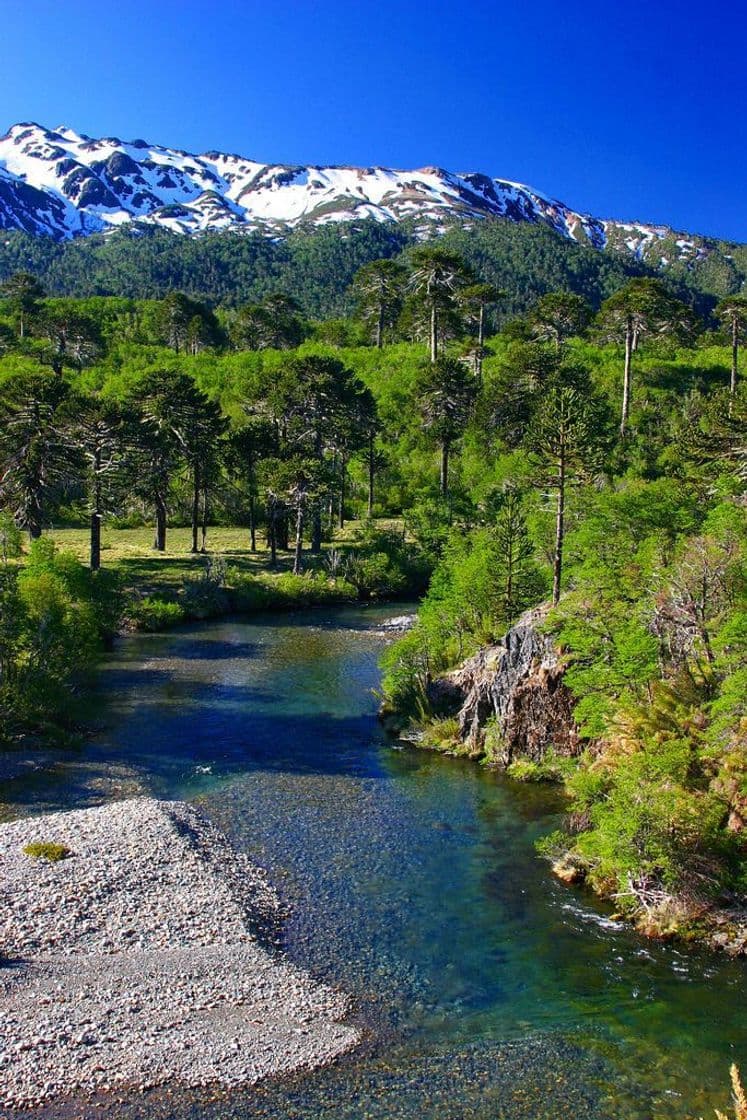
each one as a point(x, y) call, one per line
point(591, 453)
point(316, 266)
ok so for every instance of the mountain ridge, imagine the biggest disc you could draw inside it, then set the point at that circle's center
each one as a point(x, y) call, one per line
point(63, 184)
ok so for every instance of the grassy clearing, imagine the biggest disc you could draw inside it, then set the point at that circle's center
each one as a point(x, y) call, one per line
point(130, 552)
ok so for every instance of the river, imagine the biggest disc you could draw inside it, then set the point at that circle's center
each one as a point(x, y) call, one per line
point(487, 989)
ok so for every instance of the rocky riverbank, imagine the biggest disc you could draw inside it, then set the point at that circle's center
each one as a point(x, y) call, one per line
point(146, 955)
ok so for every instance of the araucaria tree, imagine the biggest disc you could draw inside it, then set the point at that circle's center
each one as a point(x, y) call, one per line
point(642, 307)
point(37, 455)
point(733, 314)
point(559, 315)
point(99, 431)
point(436, 278)
point(474, 301)
point(446, 390)
point(378, 289)
point(564, 443)
point(22, 293)
point(175, 420)
point(315, 402)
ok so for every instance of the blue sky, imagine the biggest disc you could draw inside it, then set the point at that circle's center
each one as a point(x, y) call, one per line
point(627, 110)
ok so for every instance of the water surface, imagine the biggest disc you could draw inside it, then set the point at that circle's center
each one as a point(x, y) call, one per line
point(486, 988)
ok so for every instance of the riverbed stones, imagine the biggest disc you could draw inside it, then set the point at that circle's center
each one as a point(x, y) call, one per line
point(146, 957)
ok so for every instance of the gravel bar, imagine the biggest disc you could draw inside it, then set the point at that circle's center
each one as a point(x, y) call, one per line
point(145, 957)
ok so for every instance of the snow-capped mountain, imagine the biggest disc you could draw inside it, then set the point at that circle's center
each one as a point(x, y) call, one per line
point(61, 184)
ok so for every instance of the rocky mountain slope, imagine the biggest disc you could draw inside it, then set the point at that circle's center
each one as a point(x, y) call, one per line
point(63, 185)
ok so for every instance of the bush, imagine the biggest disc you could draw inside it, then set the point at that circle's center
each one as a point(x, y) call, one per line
point(374, 576)
point(442, 735)
point(406, 667)
point(288, 591)
point(46, 849)
point(201, 599)
point(154, 614)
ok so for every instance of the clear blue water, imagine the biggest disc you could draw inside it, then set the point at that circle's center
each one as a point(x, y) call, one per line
point(486, 988)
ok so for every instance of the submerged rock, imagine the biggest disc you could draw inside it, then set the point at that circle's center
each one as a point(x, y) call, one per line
point(517, 687)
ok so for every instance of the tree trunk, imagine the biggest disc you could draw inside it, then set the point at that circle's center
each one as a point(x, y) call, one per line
point(480, 343)
point(297, 567)
point(281, 530)
point(272, 539)
point(341, 519)
point(316, 515)
point(95, 549)
point(160, 542)
point(252, 524)
point(559, 533)
point(380, 327)
point(445, 448)
point(371, 474)
point(734, 355)
point(627, 376)
point(316, 529)
point(195, 504)
point(434, 332)
point(95, 561)
point(34, 518)
point(204, 528)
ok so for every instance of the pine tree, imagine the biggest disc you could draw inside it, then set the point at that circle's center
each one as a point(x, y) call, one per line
point(378, 289)
point(642, 307)
point(733, 314)
point(564, 443)
point(436, 278)
point(446, 391)
point(559, 315)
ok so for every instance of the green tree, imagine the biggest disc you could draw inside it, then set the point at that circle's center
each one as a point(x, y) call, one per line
point(446, 391)
point(316, 401)
point(72, 338)
point(273, 324)
point(733, 314)
point(23, 293)
point(165, 403)
point(643, 306)
point(564, 442)
point(378, 289)
point(557, 316)
point(436, 278)
point(186, 325)
point(37, 454)
point(99, 429)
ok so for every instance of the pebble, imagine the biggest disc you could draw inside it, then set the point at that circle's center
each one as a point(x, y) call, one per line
point(147, 956)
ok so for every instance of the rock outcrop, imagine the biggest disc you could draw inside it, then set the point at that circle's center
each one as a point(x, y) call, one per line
point(518, 686)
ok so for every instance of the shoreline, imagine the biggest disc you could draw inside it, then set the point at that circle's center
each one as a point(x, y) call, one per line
point(147, 956)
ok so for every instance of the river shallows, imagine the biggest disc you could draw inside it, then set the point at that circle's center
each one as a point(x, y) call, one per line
point(491, 990)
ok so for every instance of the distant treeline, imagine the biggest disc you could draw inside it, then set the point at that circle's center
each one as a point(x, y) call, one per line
point(316, 266)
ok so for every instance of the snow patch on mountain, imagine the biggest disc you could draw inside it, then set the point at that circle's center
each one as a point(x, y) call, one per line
point(63, 184)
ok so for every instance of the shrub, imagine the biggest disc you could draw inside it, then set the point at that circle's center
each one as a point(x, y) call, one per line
point(442, 735)
point(374, 576)
point(154, 614)
point(202, 598)
point(46, 849)
point(406, 666)
point(287, 591)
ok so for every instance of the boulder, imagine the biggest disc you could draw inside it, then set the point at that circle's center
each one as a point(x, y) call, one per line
point(518, 686)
